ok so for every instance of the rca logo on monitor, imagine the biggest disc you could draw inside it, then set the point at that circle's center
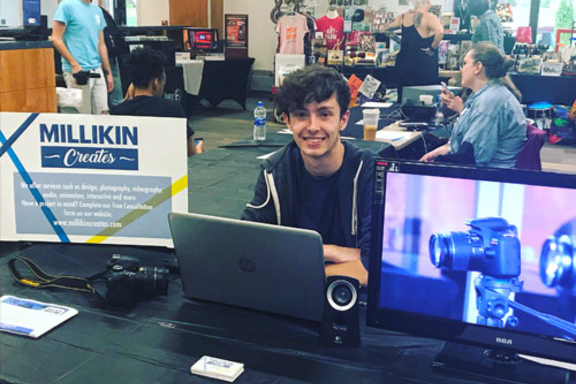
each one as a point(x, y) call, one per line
point(89, 147)
point(503, 340)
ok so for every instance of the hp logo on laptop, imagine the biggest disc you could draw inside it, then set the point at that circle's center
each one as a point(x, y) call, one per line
point(247, 265)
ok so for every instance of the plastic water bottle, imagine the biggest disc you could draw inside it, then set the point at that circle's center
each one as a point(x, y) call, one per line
point(259, 132)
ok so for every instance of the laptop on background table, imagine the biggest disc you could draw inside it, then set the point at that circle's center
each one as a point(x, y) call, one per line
point(259, 266)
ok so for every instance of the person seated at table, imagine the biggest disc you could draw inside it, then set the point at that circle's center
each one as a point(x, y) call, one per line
point(317, 181)
point(145, 93)
point(491, 129)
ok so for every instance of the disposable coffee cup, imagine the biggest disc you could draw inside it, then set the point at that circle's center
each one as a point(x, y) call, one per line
point(426, 99)
point(371, 117)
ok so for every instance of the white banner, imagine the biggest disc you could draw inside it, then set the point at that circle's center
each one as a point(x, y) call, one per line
point(91, 179)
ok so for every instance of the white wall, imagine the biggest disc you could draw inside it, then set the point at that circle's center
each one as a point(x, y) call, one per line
point(262, 37)
point(11, 13)
point(48, 8)
point(152, 12)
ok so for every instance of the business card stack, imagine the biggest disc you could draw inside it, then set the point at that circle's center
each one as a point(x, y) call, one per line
point(217, 368)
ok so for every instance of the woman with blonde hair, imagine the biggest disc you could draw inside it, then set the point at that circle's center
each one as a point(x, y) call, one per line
point(422, 32)
point(491, 129)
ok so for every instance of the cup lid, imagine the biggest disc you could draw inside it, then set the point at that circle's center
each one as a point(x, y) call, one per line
point(374, 111)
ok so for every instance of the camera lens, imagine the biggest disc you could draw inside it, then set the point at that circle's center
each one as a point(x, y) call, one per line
point(439, 250)
point(453, 250)
point(342, 295)
point(557, 262)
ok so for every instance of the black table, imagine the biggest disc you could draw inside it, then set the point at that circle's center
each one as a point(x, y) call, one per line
point(222, 80)
point(158, 340)
point(552, 89)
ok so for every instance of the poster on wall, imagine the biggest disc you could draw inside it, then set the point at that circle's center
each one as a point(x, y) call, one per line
point(236, 31)
point(91, 179)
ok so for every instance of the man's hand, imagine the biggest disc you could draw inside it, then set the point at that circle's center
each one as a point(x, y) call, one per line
point(76, 68)
point(109, 82)
point(337, 254)
point(429, 157)
point(429, 51)
point(454, 103)
point(353, 269)
point(129, 92)
point(432, 155)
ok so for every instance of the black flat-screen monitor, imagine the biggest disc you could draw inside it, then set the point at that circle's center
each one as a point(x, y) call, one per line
point(482, 258)
point(203, 39)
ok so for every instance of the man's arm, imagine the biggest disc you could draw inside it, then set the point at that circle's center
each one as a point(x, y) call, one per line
point(58, 29)
point(261, 208)
point(353, 269)
point(338, 254)
point(105, 62)
point(432, 155)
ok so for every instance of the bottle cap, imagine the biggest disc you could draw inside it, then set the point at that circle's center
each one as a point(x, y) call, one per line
point(260, 104)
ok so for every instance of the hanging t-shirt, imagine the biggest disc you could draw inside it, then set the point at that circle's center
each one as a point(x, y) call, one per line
point(333, 30)
point(292, 29)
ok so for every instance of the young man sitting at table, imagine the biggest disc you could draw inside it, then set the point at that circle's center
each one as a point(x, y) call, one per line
point(144, 97)
point(317, 181)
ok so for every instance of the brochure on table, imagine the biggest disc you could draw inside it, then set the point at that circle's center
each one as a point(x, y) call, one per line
point(91, 179)
point(31, 318)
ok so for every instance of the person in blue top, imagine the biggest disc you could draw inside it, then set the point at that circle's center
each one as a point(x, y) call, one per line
point(77, 34)
point(491, 129)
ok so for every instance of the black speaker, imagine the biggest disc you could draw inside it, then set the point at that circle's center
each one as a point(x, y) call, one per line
point(340, 322)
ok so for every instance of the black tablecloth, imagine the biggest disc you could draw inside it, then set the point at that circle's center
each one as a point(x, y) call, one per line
point(158, 340)
point(536, 88)
point(222, 80)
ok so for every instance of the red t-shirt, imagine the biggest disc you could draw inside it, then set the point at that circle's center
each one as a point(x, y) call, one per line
point(333, 30)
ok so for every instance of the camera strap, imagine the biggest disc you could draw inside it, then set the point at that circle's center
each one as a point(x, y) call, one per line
point(44, 280)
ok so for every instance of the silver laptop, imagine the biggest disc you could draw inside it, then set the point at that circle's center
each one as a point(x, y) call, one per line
point(260, 266)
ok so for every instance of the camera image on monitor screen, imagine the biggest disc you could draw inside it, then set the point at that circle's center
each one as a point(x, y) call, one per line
point(483, 252)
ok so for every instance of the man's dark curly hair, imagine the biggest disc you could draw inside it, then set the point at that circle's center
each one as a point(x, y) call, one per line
point(315, 83)
point(146, 64)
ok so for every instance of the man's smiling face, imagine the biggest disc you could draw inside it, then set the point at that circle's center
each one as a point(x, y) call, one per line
point(316, 128)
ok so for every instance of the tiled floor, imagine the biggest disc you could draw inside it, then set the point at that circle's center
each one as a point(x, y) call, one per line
point(228, 123)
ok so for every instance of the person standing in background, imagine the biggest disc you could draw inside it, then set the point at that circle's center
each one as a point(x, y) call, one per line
point(77, 34)
point(117, 48)
point(422, 32)
point(490, 27)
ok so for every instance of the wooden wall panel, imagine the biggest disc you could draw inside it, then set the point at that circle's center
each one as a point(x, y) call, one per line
point(32, 100)
point(217, 16)
point(192, 13)
point(28, 80)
